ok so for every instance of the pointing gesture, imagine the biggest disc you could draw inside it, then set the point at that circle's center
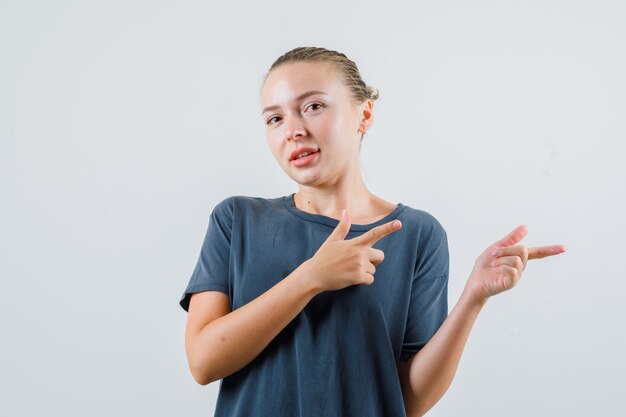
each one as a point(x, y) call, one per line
point(374, 235)
point(500, 266)
point(339, 263)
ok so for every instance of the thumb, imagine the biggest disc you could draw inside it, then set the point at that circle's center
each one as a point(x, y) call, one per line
point(512, 238)
point(342, 229)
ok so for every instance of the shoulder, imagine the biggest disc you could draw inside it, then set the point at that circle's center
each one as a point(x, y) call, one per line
point(424, 224)
point(232, 206)
point(431, 240)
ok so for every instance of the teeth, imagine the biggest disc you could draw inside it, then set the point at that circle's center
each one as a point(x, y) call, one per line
point(303, 154)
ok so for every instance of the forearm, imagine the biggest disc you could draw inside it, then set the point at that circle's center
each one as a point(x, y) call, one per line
point(232, 341)
point(434, 366)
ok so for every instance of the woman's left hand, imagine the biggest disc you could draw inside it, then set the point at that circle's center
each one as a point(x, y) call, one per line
point(500, 266)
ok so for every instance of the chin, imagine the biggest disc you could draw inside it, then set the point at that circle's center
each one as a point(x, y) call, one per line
point(311, 178)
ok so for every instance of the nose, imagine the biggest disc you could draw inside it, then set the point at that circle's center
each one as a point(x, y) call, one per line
point(295, 130)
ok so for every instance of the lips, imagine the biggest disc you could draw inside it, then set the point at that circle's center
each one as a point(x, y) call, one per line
point(294, 154)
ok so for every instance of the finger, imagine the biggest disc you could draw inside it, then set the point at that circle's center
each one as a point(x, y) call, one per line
point(342, 228)
point(513, 261)
point(512, 238)
point(376, 256)
point(517, 250)
point(510, 275)
point(373, 235)
point(543, 251)
point(368, 279)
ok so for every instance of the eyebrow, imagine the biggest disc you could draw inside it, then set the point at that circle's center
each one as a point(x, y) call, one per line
point(300, 97)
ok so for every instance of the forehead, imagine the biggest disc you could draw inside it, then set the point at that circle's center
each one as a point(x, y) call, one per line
point(288, 81)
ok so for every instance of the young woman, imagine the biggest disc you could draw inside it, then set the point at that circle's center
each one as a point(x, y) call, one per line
point(331, 301)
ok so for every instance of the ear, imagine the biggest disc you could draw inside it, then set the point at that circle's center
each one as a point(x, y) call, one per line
point(366, 115)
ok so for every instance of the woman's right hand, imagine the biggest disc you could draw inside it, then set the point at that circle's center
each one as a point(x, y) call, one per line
point(339, 263)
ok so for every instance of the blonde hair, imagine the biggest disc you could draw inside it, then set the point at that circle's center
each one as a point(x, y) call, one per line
point(346, 67)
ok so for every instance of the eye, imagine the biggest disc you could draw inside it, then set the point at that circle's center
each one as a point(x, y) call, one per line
point(269, 121)
point(316, 104)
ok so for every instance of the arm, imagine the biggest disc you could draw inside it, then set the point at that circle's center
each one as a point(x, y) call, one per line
point(428, 374)
point(219, 343)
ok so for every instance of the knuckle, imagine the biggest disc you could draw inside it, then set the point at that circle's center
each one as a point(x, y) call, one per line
point(376, 254)
point(515, 273)
point(363, 262)
point(524, 250)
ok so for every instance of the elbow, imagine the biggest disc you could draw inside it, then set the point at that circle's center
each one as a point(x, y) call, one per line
point(201, 370)
point(419, 410)
point(201, 380)
point(200, 363)
point(422, 406)
point(202, 376)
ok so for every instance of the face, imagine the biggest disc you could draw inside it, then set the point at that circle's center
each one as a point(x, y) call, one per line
point(306, 106)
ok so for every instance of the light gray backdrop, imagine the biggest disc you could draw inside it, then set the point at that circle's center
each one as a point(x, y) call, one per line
point(123, 123)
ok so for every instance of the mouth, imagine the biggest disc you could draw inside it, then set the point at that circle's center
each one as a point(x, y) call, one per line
point(302, 152)
point(304, 158)
point(303, 155)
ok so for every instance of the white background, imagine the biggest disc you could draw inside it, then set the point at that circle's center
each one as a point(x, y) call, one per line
point(123, 123)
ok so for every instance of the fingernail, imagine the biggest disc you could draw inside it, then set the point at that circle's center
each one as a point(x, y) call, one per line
point(396, 224)
point(343, 214)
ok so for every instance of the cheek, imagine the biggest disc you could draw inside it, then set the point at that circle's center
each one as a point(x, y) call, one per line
point(340, 125)
point(272, 142)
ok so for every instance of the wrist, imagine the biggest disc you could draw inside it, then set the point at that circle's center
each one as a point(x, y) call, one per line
point(472, 297)
point(305, 279)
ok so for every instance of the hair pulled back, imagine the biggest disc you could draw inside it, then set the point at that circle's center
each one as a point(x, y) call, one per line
point(346, 67)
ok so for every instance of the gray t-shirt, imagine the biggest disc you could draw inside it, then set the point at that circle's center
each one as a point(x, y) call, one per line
point(339, 355)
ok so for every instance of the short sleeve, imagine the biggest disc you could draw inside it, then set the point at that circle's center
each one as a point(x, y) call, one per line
point(428, 306)
point(212, 267)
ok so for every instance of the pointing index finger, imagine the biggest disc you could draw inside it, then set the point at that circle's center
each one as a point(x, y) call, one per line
point(543, 251)
point(374, 235)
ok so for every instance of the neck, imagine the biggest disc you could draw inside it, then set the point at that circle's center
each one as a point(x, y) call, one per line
point(348, 192)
